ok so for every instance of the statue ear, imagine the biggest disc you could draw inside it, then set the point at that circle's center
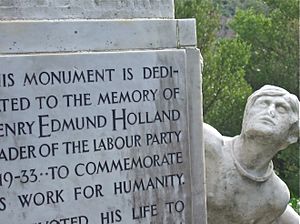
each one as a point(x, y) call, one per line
point(294, 133)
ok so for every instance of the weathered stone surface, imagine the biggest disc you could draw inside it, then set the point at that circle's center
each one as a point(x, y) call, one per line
point(95, 35)
point(96, 9)
point(63, 135)
point(242, 187)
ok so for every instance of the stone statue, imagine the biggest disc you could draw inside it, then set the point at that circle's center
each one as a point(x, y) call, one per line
point(242, 187)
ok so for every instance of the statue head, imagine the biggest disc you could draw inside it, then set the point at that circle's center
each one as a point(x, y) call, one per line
point(273, 114)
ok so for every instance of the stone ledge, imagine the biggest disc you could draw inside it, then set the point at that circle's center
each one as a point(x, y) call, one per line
point(94, 35)
point(87, 9)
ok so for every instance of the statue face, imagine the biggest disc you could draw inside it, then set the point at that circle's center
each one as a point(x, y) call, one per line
point(269, 116)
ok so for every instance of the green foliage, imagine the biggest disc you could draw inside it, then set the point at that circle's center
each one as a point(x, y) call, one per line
point(295, 203)
point(273, 37)
point(285, 9)
point(228, 7)
point(224, 87)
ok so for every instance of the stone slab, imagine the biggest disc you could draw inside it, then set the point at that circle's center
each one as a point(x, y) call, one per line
point(194, 83)
point(87, 9)
point(88, 35)
point(187, 32)
point(63, 141)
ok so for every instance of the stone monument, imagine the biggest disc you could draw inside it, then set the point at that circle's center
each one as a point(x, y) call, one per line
point(242, 187)
point(100, 113)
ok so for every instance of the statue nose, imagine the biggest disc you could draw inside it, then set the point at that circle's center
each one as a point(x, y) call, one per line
point(271, 110)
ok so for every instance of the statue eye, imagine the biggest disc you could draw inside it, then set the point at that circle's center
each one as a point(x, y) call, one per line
point(281, 109)
point(263, 103)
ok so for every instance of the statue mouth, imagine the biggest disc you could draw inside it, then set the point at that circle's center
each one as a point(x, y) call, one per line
point(267, 120)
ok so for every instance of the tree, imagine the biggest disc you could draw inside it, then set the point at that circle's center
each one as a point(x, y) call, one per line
point(224, 87)
point(228, 7)
point(273, 36)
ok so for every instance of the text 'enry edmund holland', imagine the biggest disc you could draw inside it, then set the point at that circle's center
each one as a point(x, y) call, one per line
point(120, 119)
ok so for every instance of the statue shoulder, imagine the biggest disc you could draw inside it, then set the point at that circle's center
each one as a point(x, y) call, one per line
point(281, 189)
point(213, 140)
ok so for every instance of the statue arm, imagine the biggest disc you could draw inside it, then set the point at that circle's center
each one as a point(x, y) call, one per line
point(213, 140)
point(288, 217)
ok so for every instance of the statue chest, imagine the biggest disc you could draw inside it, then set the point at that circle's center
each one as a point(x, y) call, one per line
point(234, 199)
